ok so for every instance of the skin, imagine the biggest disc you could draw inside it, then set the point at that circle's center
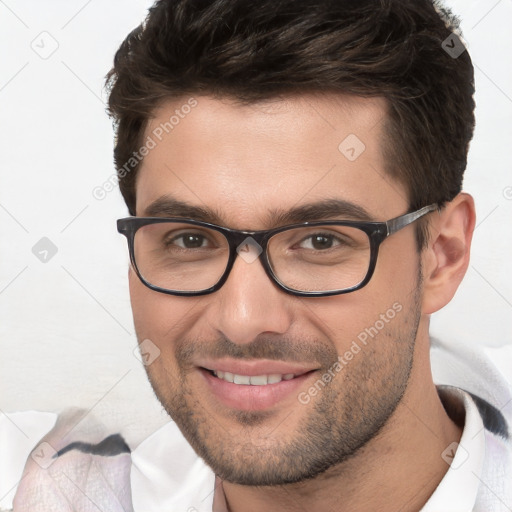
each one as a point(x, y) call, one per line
point(357, 444)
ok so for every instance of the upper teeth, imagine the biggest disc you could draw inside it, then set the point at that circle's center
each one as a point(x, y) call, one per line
point(257, 380)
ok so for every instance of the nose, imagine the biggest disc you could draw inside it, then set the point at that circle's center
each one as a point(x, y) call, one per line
point(250, 304)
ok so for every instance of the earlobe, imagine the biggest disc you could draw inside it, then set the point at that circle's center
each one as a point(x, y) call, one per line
point(446, 258)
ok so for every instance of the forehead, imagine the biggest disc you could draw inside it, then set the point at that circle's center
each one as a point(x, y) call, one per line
point(244, 160)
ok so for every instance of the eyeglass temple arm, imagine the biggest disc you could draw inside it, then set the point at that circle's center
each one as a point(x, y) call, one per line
point(398, 223)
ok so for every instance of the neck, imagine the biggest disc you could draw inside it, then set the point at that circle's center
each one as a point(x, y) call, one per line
point(399, 469)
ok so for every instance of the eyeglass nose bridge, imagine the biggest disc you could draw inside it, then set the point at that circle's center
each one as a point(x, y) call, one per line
point(249, 246)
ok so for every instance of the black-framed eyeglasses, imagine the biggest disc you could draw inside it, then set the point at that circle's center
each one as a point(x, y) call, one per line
point(188, 257)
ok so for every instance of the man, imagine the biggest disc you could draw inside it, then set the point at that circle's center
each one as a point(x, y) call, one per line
point(326, 116)
point(293, 170)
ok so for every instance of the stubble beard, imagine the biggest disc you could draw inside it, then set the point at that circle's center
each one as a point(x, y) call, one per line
point(345, 415)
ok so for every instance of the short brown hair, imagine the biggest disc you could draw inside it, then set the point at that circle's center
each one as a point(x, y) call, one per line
point(253, 50)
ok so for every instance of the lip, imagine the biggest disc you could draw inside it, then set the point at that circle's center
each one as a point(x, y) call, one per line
point(254, 398)
point(254, 368)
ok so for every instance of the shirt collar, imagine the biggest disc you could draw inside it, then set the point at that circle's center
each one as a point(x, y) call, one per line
point(458, 489)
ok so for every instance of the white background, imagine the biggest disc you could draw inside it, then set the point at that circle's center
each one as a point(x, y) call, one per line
point(66, 334)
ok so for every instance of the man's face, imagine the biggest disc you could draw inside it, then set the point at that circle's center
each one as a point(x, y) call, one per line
point(351, 355)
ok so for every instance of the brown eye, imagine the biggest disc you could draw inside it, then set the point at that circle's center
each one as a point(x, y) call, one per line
point(319, 242)
point(190, 241)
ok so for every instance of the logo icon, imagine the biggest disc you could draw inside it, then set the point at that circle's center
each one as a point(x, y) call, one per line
point(146, 352)
point(352, 147)
point(44, 250)
point(44, 455)
point(453, 46)
point(45, 45)
point(249, 250)
point(449, 453)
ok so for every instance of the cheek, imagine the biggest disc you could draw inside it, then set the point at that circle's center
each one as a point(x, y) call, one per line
point(164, 319)
point(358, 319)
point(152, 313)
point(377, 311)
point(154, 319)
point(140, 301)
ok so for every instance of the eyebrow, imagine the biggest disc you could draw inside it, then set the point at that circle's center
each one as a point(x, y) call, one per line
point(168, 206)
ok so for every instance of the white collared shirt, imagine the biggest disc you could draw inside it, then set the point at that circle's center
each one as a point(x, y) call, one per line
point(457, 491)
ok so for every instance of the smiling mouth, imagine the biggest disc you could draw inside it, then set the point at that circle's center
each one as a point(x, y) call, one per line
point(254, 387)
point(253, 380)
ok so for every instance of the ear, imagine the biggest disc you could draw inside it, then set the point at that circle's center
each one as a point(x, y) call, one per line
point(446, 258)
